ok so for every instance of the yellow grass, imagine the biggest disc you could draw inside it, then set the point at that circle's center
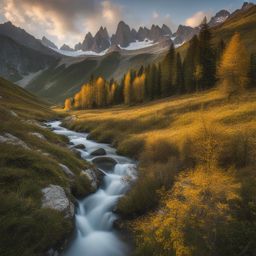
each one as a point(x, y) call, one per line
point(173, 119)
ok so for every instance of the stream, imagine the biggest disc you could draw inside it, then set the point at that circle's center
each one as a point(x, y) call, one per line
point(94, 218)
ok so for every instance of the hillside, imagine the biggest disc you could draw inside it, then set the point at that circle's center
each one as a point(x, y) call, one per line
point(64, 79)
point(243, 22)
point(17, 60)
point(31, 159)
point(205, 133)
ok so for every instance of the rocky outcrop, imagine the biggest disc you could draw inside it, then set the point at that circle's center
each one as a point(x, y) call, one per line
point(46, 42)
point(184, 33)
point(123, 35)
point(101, 41)
point(65, 47)
point(219, 18)
point(54, 197)
point(12, 140)
point(87, 43)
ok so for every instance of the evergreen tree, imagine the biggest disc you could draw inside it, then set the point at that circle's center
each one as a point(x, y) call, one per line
point(168, 73)
point(252, 73)
point(220, 50)
point(234, 66)
point(206, 58)
point(190, 62)
point(158, 82)
point(179, 75)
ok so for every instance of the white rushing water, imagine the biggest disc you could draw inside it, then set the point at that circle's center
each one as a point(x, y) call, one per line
point(94, 216)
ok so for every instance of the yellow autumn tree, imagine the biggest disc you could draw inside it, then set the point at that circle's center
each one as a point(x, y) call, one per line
point(234, 66)
point(192, 212)
point(127, 89)
point(100, 92)
point(68, 105)
point(78, 100)
point(111, 93)
point(139, 88)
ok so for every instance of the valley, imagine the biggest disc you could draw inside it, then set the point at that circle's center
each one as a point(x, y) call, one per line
point(127, 129)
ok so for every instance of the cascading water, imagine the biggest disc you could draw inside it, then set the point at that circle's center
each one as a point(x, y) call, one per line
point(94, 216)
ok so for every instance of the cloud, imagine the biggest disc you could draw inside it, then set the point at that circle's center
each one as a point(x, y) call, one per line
point(61, 20)
point(155, 15)
point(196, 19)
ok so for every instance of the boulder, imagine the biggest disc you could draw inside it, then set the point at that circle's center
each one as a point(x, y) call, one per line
point(54, 197)
point(66, 170)
point(98, 152)
point(10, 139)
point(80, 146)
point(104, 163)
point(92, 177)
point(38, 135)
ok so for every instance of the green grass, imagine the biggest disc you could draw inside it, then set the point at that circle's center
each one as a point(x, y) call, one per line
point(26, 229)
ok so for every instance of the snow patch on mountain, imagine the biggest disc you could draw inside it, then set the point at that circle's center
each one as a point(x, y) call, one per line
point(139, 45)
point(80, 53)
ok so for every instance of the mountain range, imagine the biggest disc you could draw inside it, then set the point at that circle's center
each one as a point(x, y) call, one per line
point(50, 72)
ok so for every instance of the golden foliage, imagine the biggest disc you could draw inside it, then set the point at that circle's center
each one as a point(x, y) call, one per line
point(198, 203)
point(234, 66)
point(68, 104)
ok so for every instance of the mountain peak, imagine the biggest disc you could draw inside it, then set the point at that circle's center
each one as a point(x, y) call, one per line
point(65, 47)
point(46, 42)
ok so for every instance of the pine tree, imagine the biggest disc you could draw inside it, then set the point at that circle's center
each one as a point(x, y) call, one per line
point(68, 105)
point(190, 62)
point(234, 66)
point(252, 73)
point(206, 58)
point(179, 75)
point(168, 73)
point(158, 82)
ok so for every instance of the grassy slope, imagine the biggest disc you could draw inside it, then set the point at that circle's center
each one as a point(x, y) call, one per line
point(243, 22)
point(58, 83)
point(172, 119)
point(163, 135)
point(26, 229)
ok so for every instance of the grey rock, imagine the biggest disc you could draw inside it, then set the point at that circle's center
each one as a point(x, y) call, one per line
point(13, 113)
point(123, 35)
point(65, 47)
point(54, 197)
point(12, 140)
point(66, 170)
point(92, 177)
point(101, 40)
point(219, 18)
point(46, 42)
point(87, 43)
point(98, 152)
point(38, 135)
point(80, 146)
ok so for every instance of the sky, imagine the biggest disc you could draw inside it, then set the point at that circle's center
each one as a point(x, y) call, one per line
point(67, 21)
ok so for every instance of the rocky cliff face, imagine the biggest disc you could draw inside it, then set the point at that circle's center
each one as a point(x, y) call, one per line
point(46, 42)
point(184, 33)
point(219, 18)
point(101, 40)
point(123, 35)
point(65, 47)
point(17, 60)
point(22, 37)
